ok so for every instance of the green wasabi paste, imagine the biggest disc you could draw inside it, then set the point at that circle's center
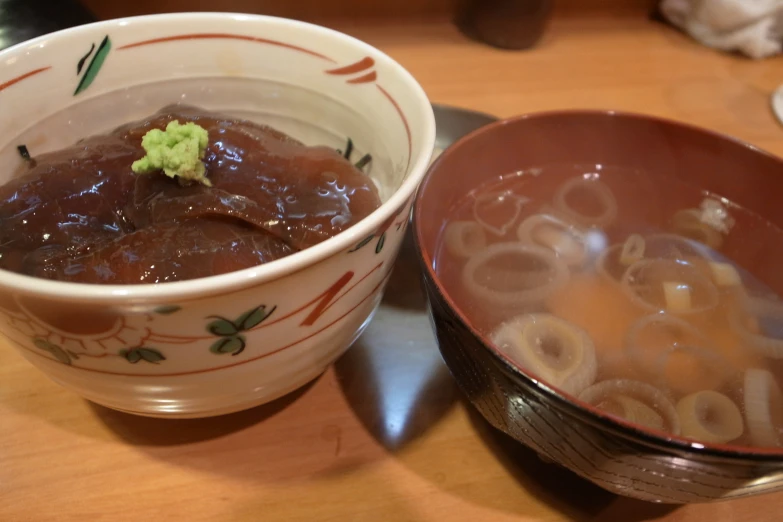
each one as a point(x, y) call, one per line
point(177, 151)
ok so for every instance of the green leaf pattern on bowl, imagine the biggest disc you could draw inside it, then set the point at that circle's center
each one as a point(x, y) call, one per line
point(229, 332)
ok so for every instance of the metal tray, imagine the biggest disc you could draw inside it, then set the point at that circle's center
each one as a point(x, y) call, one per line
point(396, 361)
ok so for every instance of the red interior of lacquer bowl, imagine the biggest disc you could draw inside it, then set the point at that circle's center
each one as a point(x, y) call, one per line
point(722, 165)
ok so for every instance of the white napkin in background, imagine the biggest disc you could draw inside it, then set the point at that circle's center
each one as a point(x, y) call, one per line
point(777, 104)
point(752, 27)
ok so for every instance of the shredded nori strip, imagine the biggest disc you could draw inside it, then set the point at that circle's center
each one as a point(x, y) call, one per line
point(348, 149)
point(367, 158)
point(24, 152)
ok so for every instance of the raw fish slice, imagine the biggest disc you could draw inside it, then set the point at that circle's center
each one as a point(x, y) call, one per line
point(303, 195)
point(81, 214)
point(169, 252)
point(67, 198)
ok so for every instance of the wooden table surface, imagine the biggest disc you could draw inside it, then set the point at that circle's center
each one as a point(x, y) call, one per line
point(384, 435)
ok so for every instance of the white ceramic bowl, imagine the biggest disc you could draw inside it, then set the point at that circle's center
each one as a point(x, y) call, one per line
point(219, 344)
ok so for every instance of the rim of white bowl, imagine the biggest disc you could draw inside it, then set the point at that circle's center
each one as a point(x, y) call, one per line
point(225, 283)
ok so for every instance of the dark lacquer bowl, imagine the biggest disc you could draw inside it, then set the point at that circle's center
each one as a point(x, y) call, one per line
point(616, 455)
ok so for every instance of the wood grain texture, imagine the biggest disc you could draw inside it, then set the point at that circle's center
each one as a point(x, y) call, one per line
point(373, 439)
point(318, 9)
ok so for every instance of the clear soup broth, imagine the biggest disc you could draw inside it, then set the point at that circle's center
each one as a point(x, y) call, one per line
point(621, 289)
